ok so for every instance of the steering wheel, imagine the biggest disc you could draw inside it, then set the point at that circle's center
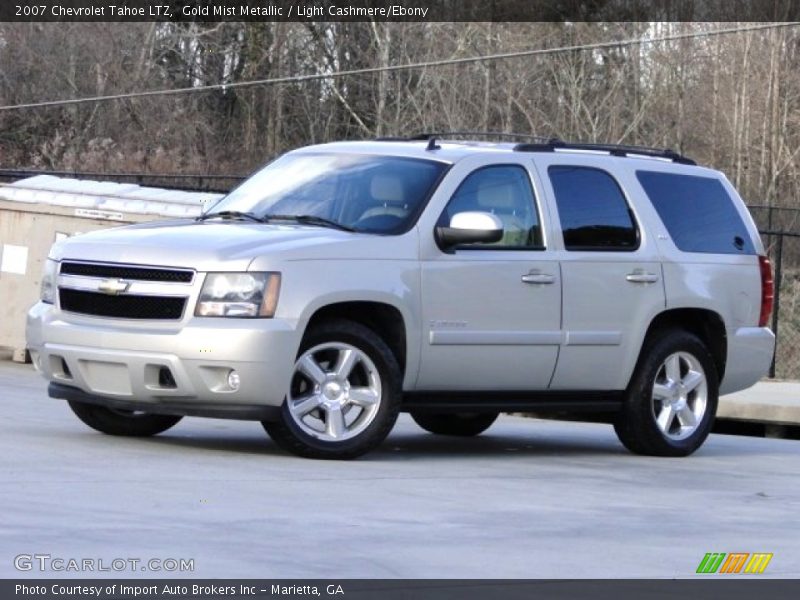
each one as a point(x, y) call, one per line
point(379, 222)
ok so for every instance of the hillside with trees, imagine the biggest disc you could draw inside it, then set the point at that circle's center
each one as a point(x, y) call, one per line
point(730, 101)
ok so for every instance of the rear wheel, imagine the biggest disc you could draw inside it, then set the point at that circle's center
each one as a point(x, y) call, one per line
point(457, 424)
point(344, 395)
point(672, 399)
point(122, 422)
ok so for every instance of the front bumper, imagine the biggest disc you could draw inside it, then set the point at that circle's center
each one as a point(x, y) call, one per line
point(247, 412)
point(129, 362)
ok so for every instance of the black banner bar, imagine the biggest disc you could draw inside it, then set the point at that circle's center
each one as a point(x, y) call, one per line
point(399, 10)
point(703, 588)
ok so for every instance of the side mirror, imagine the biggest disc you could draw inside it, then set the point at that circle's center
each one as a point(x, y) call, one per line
point(470, 228)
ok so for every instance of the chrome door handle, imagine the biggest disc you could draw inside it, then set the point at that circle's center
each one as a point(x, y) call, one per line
point(541, 278)
point(639, 276)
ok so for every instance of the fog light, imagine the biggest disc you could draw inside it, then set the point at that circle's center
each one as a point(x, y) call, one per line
point(234, 381)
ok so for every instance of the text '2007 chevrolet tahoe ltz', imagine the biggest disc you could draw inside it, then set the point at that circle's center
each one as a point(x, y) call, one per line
point(346, 282)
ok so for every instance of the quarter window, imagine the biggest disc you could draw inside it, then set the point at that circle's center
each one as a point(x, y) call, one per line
point(698, 213)
point(592, 209)
point(504, 191)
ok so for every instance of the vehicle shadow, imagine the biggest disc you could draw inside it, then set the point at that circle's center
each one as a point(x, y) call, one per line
point(412, 444)
point(405, 445)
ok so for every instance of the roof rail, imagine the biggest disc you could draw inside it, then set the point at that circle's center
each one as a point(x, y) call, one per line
point(492, 134)
point(426, 137)
point(613, 149)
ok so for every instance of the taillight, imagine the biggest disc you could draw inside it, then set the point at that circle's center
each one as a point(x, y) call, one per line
point(767, 291)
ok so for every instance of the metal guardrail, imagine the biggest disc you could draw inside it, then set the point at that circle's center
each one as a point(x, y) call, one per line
point(189, 183)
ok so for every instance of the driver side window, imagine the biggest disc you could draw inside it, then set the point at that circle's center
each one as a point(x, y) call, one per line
point(504, 191)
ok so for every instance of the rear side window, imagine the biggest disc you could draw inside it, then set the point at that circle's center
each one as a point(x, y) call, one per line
point(593, 212)
point(698, 213)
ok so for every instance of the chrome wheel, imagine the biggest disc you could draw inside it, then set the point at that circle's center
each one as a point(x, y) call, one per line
point(680, 395)
point(335, 392)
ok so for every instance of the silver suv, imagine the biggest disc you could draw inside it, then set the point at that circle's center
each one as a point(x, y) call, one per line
point(346, 282)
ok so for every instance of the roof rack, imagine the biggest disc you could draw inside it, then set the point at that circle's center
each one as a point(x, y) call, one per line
point(613, 149)
point(433, 136)
point(425, 137)
point(493, 134)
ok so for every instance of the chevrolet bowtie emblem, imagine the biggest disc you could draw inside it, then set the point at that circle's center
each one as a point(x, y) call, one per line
point(113, 287)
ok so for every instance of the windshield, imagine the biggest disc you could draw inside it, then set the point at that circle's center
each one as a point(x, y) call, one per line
point(379, 194)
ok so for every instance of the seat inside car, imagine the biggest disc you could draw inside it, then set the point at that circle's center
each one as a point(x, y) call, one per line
point(388, 197)
point(500, 198)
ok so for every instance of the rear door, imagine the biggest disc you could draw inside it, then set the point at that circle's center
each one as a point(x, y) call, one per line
point(610, 268)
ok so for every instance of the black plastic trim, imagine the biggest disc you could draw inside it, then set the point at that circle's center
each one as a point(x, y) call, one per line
point(504, 401)
point(124, 306)
point(125, 271)
point(619, 150)
point(168, 406)
point(472, 247)
point(484, 134)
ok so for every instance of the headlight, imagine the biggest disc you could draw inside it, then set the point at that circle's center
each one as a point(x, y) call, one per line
point(239, 295)
point(49, 276)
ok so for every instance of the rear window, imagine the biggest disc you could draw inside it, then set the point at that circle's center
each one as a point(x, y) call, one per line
point(698, 213)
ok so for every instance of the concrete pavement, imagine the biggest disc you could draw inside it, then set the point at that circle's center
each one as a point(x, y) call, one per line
point(527, 499)
point(775, 402)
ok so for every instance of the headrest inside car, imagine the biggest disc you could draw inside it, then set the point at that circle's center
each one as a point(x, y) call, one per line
point(495, 195)
point(387, 189)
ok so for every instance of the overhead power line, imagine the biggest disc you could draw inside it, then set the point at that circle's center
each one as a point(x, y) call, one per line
point(403, 67)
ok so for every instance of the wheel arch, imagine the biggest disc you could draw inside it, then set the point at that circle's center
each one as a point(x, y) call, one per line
point(386, 319)
point(705, 324)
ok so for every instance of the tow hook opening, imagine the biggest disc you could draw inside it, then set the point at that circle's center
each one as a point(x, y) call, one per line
point(166, 379)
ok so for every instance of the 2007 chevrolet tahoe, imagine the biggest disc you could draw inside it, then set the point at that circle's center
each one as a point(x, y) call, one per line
point(345, 282)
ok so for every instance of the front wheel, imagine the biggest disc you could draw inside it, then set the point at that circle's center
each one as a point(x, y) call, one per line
point(671, 402)
point(344, 396)
point(122, 422)
point(457, 424)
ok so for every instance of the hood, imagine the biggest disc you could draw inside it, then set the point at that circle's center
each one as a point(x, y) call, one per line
point(204, 246)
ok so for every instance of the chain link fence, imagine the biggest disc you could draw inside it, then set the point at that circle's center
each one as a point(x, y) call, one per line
point(783, 249)
point(780, 231)
point(776, 218)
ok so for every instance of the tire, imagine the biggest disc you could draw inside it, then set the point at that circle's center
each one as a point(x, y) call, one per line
point(660, 417)
point(457, 424)
point(366, 391)
point(119, 422)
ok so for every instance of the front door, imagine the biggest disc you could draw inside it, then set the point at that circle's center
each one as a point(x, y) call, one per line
point(492, 313)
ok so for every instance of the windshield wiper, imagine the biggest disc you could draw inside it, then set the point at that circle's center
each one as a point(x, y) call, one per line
point(309, 220)
point(231, 214)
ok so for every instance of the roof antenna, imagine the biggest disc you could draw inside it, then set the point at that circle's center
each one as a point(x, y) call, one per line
point(432, 145)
